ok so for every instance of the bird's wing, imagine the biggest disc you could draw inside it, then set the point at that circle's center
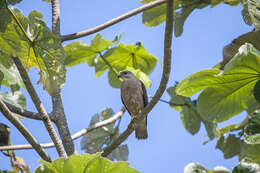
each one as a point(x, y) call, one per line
point(145, 97)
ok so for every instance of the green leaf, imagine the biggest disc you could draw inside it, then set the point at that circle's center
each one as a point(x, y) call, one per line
point(244, 167)
point(17, 98)
point(228, 128)
point(194, 167)
point(183, 8)
point(233, 87)
point(5, 16)
point(190, 119)
point(11, 77)
point(85, 163)
point(212, 130)
point(13, 2)
point(98, 139)
point(252, 129)
point(230, 146)
point(250, 153)
point(254, 11)
point(78, 52)
point(132, 57)
point(177, 99)
point(197, 81)
point(257, 91)
point(122, 56)
point(115, 82)
point(154, 16)
point(36, 46)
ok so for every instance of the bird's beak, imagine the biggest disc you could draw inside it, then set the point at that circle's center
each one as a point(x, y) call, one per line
point(119, 76)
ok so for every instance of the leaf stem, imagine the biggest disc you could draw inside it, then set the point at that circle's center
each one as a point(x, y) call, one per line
point(108, 64)
point(20, 25)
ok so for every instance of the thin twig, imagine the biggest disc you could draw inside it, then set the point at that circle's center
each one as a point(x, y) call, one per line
point(170, 103)
point(39, 106)
point(163, 83)
point(24, 131)
point(75, 136)
point(112, 22)
point(107, 63)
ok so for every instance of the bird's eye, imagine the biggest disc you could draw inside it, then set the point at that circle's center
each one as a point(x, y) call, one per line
point(125, 72)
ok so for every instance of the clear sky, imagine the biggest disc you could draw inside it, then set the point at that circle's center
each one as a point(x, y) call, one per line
point(169, 146)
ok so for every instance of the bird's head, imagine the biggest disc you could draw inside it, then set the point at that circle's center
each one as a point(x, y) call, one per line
point(126, 75)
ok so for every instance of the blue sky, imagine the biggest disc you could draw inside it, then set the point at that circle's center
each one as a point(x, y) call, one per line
point(169, 146)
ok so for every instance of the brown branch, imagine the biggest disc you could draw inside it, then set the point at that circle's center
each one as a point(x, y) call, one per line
point(75, 136)
point(58, 110)
point(26, 113)
point(55, 7)
point(163, 83)
point(39, 106)
point(24, 131)
point(112, 22)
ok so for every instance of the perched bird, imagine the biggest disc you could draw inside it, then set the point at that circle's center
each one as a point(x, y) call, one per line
point(134, 97)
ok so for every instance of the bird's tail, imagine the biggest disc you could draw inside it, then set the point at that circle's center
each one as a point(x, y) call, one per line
point(141, 129)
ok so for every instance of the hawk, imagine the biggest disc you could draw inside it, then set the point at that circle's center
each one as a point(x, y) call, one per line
point(134, 97)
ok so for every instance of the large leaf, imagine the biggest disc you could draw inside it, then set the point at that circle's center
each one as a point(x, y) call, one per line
point(230, 146)
point(252, 129)
point(250, 153)
point(78, 52)
point(197, 81)
point(32, 41)
point(232, 90)
point(98, 139)
point(123, 56)
point(84, 163)
point(126, 57)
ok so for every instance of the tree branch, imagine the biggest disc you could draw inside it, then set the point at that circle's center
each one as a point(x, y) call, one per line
point(39, 106)
point(26, 113)
point(55, 7)
point(112, 22)
point(75, 136)
point(58, 110)
point(24, 131)
point(163, 83)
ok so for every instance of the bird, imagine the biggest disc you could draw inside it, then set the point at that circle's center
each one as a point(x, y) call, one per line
point(134, 98)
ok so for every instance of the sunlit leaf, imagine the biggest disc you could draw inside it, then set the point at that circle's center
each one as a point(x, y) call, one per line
point(197, 81)
point(85, 163)
point(78, 52)
point(233, 87)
